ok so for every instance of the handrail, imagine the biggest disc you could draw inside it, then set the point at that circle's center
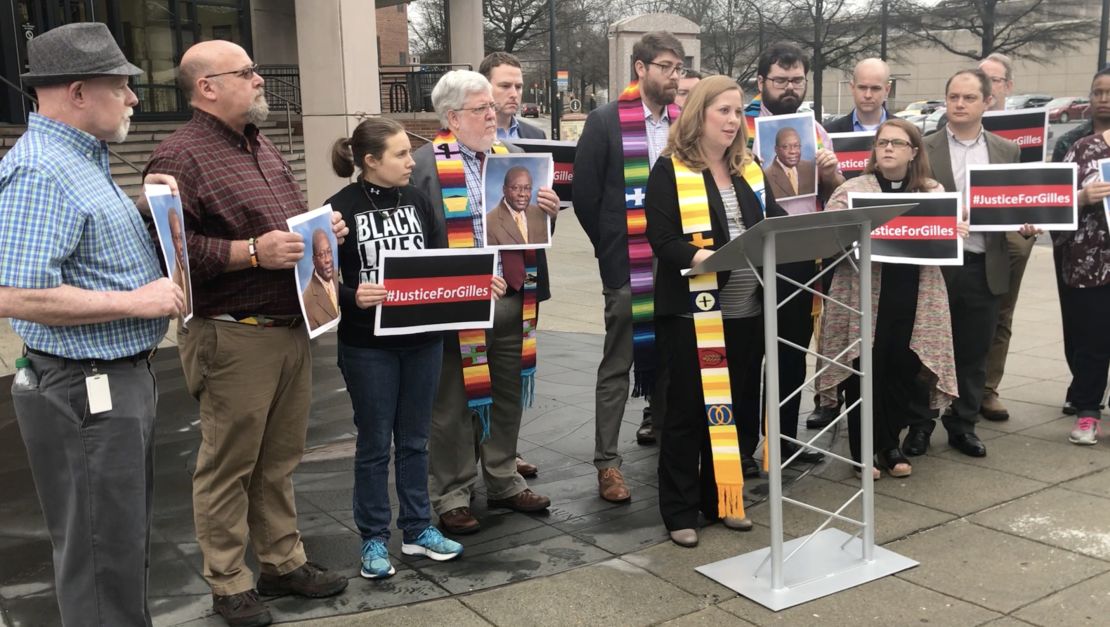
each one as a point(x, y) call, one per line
point(28, 96)
point(362, 115)
point(278, 79)
point(289, 104)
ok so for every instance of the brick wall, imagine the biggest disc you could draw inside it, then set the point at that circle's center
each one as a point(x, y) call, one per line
point(393, 35)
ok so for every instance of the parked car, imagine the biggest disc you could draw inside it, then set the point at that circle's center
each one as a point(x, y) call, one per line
point(919, 107)
point(930, 122)
point(530, 110)
point(1072, 108)
point(1027, 101)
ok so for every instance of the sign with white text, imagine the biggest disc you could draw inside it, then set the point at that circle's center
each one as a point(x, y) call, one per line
point(852, 151)
point(1028, 128)
point(563, 154)
point(926, 235)
point(1005, 196)
point(435, 290)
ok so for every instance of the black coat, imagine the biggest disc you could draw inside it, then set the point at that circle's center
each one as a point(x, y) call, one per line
point(527, 131)
point(598, 193)
point(672, 247)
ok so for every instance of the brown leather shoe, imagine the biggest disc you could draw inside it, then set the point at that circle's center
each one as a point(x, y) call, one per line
point(526, 470)
point(993, 409)
point(310, 580)
point(459, 521)
point(241, 610)
point(610, 484)
point(525, 501)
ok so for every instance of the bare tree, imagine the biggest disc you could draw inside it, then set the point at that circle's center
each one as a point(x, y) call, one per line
point(1019, 28)
point(429, 28)
point(512, 25)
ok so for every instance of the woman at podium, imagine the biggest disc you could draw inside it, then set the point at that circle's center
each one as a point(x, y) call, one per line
point(913, 372)
point(704, 191)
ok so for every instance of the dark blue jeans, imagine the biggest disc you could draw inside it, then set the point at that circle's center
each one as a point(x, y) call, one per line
point(392, 391)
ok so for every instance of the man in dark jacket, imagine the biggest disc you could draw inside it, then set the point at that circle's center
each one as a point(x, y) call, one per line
point(503, 71)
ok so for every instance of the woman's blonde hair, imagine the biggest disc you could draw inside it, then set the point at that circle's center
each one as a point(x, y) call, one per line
point(684, 141)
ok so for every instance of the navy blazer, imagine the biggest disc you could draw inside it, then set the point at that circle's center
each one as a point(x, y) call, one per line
point(672, 247)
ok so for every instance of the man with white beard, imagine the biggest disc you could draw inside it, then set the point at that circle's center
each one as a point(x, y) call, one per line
point(81, 281)
point(254, 383)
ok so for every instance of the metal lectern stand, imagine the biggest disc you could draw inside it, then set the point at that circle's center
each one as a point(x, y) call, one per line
point(827, 560)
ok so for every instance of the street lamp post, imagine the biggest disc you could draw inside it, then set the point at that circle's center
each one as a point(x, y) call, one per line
point(553, 92)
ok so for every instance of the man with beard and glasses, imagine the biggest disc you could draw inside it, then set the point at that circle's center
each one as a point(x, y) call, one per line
point(83, 286)
point(781, 78)
point(618, 146)
point(245, 355)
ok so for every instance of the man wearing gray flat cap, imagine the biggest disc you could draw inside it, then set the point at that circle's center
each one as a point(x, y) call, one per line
point(80, 278)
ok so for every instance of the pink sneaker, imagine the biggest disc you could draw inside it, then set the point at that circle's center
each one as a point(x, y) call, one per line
point(1086, 431)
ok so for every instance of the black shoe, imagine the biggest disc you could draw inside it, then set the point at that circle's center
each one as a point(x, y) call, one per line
point(241, 610)
point(821, 417)
point(310, 580)
point(749, 466)
point(916, 442)
point(968, 444)
point(1068, 408)
point(645, 435)
point(808, 456)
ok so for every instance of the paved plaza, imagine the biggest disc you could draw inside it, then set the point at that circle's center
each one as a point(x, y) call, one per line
point(1018, 537)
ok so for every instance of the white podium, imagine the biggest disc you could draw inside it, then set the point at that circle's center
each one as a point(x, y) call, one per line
point(827, 560)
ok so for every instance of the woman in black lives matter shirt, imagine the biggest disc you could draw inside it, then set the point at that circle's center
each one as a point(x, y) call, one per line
point(392, 380)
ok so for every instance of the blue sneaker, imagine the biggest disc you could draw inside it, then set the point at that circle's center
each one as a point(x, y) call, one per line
point(432, 544)
point(375, 560)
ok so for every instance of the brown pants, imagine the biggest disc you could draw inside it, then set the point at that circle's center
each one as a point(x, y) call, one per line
point(254, 386)
point(1019, 249)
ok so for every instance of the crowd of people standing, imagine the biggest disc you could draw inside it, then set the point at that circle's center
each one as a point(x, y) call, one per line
point(664, 176)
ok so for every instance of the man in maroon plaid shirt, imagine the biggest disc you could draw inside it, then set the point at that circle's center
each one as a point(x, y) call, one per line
point(245, 354)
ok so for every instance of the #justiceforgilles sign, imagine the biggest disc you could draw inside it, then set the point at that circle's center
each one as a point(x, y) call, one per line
point(1028, 128)
point(435, 290)
point(562, 152)
point(925, 235)
point(852, 151)
point(1003, 197)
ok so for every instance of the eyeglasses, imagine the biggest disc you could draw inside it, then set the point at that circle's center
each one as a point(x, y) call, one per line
point(669, 69)
point(322, 254)
point(897, 143)
point(782, 81)
point(998, 80)
point(489, 106)
point(520, 188)
point(243, 73)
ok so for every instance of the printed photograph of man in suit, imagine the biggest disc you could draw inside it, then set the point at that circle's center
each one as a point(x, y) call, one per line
point(321, 297)
point(180, 272)
point(788, 174)
point(516, 221)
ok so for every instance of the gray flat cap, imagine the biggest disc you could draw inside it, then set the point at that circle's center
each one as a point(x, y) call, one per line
point(74, 52)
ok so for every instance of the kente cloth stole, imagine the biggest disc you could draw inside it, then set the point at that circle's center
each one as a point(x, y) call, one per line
point(460, 234)
point(637, 166)
point(705, 307)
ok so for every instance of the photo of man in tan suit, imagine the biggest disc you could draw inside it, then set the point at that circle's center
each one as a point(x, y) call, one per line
point(321, 297)
point(788, 174)
point(515, 221)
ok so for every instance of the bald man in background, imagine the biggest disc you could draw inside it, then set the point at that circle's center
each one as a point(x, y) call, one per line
point(870, 86)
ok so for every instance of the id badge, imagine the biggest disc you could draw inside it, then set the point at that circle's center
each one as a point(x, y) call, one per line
point(99, 393)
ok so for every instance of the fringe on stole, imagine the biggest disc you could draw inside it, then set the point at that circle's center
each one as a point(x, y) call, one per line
point(730, 500)
point(527, 388)
point(643, 383)
point(483, 413)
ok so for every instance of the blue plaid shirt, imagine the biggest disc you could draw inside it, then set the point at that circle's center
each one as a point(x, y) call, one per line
point(63, 220)
point(472, 168)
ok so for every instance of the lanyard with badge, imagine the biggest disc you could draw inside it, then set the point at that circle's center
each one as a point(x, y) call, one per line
point(98, 391)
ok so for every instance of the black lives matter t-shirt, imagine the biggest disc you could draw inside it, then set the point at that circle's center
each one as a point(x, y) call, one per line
point(379, 218)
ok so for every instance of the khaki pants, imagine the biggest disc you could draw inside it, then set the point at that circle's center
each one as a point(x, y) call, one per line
point(454, 450)
point(254, 386)
point(1019, 250)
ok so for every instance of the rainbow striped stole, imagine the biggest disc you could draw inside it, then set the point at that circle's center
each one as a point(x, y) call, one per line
point(705, 307)
point(460, 234)
point(637, 166)
point(530, 315)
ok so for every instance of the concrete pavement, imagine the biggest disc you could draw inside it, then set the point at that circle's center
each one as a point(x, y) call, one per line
point(1018, 537)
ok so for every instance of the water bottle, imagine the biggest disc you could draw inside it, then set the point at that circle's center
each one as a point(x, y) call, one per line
point(25, 378)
